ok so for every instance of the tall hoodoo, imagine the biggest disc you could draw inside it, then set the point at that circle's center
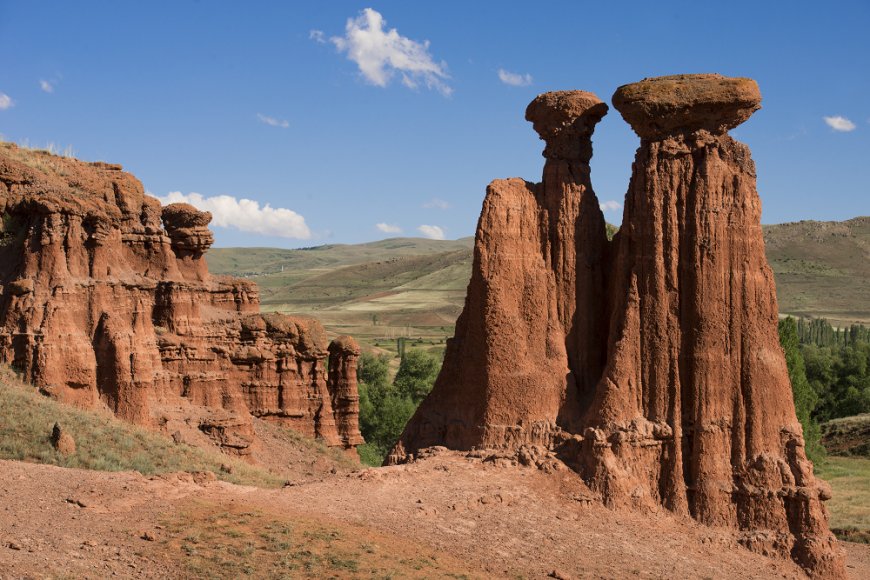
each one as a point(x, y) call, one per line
point(106, 300)
point(574, 239)
point(694, 410)
point(651, 364)
point(510, 372)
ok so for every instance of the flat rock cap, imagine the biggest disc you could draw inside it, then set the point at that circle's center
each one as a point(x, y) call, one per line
point(344, 344)
point(561, 108)
point(184, 215)
point(661, 106)
point(564, 119)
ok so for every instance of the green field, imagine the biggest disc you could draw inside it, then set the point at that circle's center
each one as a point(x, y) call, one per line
point(377, 292)
point(850, 505)
point(415, 287)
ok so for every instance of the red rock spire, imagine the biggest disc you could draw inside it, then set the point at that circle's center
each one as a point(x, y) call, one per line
point(510, 373)
point(694, 410)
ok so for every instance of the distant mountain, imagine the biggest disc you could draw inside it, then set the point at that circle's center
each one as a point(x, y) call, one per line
point(390, 284)
point(822, 269)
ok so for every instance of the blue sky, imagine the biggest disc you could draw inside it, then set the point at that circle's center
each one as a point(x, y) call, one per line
point(307, 107)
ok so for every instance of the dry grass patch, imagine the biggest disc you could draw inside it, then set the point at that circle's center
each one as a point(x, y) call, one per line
point(221, 541)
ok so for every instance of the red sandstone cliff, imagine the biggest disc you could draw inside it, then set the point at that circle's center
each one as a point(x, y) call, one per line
point(107, 301)
point(651, 365)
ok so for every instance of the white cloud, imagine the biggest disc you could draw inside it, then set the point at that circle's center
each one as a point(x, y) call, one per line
point(838, 123)
point(282, 123)
point(514, 79)
point(46, 86)
point(436, 203)
point(6, 102)
point(317, 36)
point(431, 232)
point(245, 215)
point(379, 54)
point(389, 228)
point(610, 206)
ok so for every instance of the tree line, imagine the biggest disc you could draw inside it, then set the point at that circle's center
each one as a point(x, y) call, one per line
point(829, 369)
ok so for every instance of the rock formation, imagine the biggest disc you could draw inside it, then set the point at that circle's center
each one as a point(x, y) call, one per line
point(651, 364)
point(538, 253)
point(107, 302)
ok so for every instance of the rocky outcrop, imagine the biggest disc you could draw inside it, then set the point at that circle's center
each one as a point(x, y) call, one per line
point(107, 302)
point(651, 364)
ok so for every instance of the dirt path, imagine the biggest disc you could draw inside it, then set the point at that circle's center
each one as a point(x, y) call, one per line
point(447, 516)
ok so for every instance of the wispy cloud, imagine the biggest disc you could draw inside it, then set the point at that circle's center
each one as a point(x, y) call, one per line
point(431, 232)
point(46, 86)
point(840, 124)
point(6, 102)
point(436, 203)
point(282, 123)
point(610, 205)
point(317, 36)
point(389, 228)
point(245, 215)
point(380, 53)
point(514, 79)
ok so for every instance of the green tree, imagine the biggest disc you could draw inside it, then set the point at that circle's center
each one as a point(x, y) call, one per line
point(373, 370)
point(417, 374)
point(805, 397)
point(384, 411)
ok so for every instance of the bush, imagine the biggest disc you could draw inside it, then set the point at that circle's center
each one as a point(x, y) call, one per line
point(386, 408)
point(416, 376)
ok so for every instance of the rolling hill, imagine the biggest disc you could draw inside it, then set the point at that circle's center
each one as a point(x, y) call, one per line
point(822, 268)
point(416, 287)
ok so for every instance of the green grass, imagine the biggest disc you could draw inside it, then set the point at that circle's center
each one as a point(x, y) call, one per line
point(370, 455)
point(850, 505)
point(102, 442)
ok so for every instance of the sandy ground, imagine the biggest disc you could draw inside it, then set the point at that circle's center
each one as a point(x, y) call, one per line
point(447, 516)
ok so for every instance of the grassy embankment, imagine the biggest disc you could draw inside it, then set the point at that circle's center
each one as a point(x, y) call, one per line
point(103, 442)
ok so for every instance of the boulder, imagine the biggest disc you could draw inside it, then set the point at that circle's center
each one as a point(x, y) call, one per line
point(62, 441)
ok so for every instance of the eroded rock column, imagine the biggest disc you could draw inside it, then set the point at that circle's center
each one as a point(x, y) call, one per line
point(694, 410)
point(343, 389)
point(575, 240)
point(508, 377)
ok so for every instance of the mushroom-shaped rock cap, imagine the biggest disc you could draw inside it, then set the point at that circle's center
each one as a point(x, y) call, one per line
point(184, 215)
point(344, 344)
point(661, 106)
point(566, 120)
